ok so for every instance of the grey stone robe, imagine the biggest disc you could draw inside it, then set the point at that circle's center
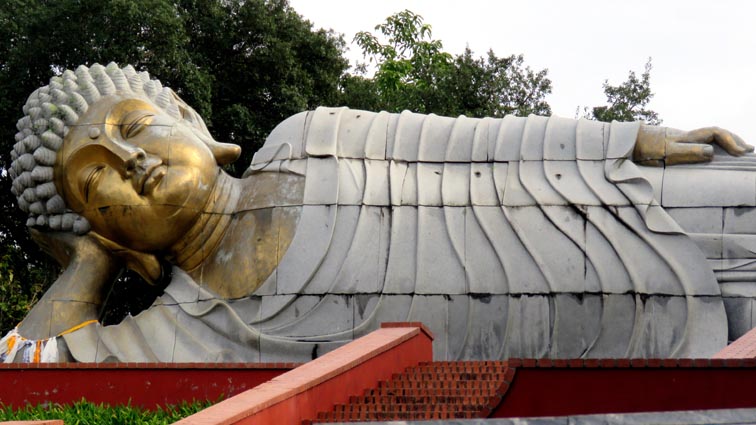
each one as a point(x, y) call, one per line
point(515, 237)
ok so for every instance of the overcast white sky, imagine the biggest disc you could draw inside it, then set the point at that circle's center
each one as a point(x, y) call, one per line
point(704, 52)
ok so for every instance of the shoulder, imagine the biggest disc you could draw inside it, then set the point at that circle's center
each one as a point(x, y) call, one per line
point(320, 132)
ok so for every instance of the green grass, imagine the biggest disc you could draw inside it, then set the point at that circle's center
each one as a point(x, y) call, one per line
point(86, 413)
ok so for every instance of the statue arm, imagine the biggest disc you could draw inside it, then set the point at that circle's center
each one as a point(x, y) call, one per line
point(656, 146)
point(76, 297)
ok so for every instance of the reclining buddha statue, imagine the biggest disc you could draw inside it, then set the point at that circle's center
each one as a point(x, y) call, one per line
point(514, 237)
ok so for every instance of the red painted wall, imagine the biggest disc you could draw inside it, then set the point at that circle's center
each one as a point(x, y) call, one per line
point(143, 384)
point(567, 391)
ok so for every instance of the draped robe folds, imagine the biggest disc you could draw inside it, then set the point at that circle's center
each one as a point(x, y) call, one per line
point(515, 237)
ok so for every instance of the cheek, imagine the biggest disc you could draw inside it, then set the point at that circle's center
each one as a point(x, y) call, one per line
point(185, 186)
point(186, 150)
point(143, 228)
point(112, 190)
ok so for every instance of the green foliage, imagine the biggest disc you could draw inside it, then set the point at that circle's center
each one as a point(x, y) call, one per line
point(627, 101)
point(411, 66)
point(266, 64)
point(16, 298)
point(245, 65)
point(413, 72)
point(491, 86)
point(86, 413)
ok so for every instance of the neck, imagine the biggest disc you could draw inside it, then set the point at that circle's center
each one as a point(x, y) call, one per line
point(206, 233)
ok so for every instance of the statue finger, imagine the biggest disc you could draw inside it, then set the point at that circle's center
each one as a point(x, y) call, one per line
point(688, 153)
point(731, 143)
point(742, 143)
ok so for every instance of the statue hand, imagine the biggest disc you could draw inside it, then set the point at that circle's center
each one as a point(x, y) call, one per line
point(65, 246)
point(77, 294)
point(660, 145)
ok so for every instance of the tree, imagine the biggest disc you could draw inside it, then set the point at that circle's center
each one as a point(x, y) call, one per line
point(266, 64)
point(411, 66)
point(414, 72)
point(17, 295)
point(627, 101)
point(244, 65)
point(495, 87)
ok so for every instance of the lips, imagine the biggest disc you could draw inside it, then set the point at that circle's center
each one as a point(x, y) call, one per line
point(152, 178)
point(145, 182)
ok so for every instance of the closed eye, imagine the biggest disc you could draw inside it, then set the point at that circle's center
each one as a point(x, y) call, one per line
point(134, 122)
point(91, 181)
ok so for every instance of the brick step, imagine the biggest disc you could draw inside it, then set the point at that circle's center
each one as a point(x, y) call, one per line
point(464, 363)
point(460, 369)
point(434, 390)
point(374, 392)
point(392, 416)
point(408, 407)
point(456, 376)
point(440, 384)
point(425, 399)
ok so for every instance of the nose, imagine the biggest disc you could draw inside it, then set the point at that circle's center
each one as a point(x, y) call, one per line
point(129, 156)
point(136, 157)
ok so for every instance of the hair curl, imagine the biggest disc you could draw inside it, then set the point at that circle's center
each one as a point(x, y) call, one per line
point(50, 111)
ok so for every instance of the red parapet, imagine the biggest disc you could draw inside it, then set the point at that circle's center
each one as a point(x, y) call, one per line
point(146, 385)
point(318, 385)
point(629, 386)
point(742, 348)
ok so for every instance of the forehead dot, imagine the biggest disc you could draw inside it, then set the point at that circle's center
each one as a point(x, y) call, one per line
point(94, 132)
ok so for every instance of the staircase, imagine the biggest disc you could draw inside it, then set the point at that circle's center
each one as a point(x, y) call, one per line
point(432, 390)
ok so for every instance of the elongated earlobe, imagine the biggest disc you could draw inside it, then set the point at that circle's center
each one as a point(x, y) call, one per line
point(224, 153)
point(146, 265)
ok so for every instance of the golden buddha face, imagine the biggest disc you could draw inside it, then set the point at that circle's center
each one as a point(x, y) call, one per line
point(139, 176)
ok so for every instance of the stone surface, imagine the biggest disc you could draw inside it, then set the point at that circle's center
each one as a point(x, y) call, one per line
point(440, 235)
point(739, 316)
point(560, 139)
point(455, 185)
point(459, 148)
point(377, 192)
point(323, 190)
point(576, 328)
point(537, 254)
point(707, 220)
point(566, 180)
point(345, 227)
point(483, 267)
point(292, 135)
point(509, 139)
point(740, 220)
point(433, 311)
point(351, 188)
point(401, 271)
point(515, 237)
point(590, 139)
point(515, 193)
point(690, 417)
point(307, 249)
point(434, 138)
point(482, 186)
point(655, 176)
point(429, 178)
point(720, 188)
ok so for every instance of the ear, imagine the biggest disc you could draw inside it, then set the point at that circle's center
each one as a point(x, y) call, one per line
point(224, 153)
point(147, 265)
